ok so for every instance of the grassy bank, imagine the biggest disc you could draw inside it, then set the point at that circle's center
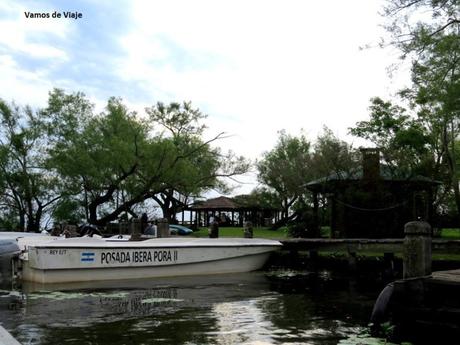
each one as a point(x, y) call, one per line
point(261, 232)
point(453, 234)
point(265, 232)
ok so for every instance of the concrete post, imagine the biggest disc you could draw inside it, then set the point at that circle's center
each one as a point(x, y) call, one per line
point(417, 250)
point(163, 228)
point(248, 233)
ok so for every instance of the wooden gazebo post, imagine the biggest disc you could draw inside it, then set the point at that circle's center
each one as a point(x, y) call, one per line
point(317, 232)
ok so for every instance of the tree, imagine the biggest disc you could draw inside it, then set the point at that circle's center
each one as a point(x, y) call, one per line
point(65, 118)
point(260, 197)
point(416, 25)
point(427, 34)
point(202, 168)
point(434, 97)
point(111, 162)
point(404, 141)
point(28, 189)
point(181, 120)
point(69, 163)
point(116, 161)
point(332, 155)
point(285, 170)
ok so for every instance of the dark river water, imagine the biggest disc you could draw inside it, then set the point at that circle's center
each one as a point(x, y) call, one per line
point(275, 307)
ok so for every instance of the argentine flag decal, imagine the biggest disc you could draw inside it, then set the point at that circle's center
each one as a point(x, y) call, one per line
point(87, 257)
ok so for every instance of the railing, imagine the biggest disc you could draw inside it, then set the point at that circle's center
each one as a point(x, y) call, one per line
point(357, 245)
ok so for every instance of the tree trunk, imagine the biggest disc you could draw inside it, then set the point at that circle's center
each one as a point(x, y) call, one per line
point(22, 220)
point(450, 157)
point(283, 221)
point(166, 213)
point(92, 209)
point(33, 221)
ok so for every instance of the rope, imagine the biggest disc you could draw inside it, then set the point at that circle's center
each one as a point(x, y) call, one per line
point(371, 209)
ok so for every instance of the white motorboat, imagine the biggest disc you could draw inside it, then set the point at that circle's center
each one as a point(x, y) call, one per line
point(93, 259)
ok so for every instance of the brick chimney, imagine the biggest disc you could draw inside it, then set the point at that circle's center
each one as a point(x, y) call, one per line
point(371, 163)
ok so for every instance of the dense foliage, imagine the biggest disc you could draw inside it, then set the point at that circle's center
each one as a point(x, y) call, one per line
point(294, 161)
point(68, 163)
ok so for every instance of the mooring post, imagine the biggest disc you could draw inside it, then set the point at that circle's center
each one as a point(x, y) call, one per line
point(135, 230)
point(163, 228)
point(352, 261)
point(248, 233)
point(214, 230)
point(389, 264)
point(119, 229)
point(417, 250)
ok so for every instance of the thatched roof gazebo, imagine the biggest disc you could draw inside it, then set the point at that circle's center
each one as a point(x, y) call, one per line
point(230, 212)
point(220, 203)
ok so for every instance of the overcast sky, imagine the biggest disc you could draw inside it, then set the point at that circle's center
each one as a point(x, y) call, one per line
point(254, 67)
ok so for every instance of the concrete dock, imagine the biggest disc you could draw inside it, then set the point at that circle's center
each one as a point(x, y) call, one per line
point(424, 304)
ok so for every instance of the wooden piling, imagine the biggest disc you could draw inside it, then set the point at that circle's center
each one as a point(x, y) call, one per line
point(248, 232)
point(135, 230)
point(163, 228)
point(352, 261)
point(214, 230)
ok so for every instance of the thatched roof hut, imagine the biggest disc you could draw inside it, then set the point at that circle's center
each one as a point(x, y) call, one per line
point(231, 212)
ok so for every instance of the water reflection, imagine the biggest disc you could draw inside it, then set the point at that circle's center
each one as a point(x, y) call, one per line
point(243, 322)
point(253, 308)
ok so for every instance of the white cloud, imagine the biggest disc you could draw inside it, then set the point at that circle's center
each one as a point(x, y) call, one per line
point(22, 86)
point(21, 33)
point(274, 64)
point(26, 37)
point(255, 67)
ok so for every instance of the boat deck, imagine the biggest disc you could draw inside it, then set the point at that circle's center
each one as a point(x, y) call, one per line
point(6, 338)
point(168, 242)
point(448, 277)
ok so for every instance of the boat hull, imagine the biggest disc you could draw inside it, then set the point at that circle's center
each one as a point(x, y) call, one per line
point(77, 261)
